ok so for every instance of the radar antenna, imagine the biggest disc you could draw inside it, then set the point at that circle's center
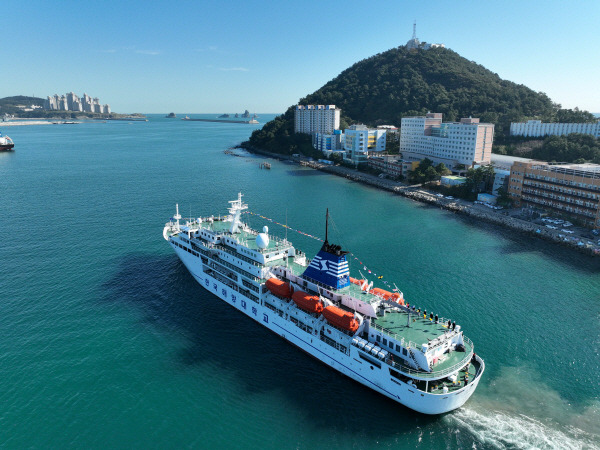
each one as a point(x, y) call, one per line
point(414, 30)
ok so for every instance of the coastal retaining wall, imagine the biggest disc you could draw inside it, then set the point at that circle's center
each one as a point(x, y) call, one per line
point(416, 193)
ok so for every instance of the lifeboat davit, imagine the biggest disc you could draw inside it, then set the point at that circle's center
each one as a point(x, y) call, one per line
point(279, 287)
point(310, 303)
point(341, 318)
point(387, 295)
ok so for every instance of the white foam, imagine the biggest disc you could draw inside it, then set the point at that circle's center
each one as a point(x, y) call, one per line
point(518, 410)
point(501, 430)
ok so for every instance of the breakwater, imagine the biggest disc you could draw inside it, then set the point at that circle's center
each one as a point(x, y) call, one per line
point(417, 193)
point(187, 119)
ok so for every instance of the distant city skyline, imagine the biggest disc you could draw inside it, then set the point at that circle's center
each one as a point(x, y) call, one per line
point(197, 57)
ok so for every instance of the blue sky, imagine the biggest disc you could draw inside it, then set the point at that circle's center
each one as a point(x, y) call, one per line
point(227, 56)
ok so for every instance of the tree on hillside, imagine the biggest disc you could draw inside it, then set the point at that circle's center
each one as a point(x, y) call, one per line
point(426, 172)
point(398, 83)
point(575, 116)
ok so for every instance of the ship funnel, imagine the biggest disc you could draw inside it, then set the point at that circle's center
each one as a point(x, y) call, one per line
point(329, 266)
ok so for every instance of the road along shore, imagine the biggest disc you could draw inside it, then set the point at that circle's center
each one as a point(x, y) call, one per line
point(417, 193)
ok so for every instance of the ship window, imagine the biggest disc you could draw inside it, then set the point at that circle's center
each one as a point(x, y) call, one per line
point(378, 338)
point(397, 348)
point(391, 345)
point(384, 341)
point(404, 352)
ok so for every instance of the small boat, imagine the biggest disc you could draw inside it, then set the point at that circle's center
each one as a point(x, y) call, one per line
point(6, 144)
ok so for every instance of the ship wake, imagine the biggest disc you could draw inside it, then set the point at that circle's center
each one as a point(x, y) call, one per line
point(518, 411)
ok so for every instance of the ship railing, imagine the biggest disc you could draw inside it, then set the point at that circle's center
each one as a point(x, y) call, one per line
point(391, 334)
point(231, 252)
point(410, 344)
point(434, 374)
point(279, 244)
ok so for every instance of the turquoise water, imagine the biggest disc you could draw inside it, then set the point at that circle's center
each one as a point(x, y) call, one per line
point(108, 342)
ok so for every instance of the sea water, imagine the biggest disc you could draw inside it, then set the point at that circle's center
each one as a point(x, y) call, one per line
point(108, 342)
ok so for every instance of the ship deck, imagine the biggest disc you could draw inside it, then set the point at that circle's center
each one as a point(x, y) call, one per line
point(423, 331)
point(245, 238)
point(416, 329)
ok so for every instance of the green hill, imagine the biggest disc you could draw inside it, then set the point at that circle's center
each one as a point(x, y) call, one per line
point(399, 82)
point(9, 104)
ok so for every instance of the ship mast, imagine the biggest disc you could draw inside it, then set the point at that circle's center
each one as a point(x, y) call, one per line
point(326, 225)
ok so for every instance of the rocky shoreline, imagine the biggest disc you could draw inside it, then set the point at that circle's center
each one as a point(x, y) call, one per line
point(418, 194)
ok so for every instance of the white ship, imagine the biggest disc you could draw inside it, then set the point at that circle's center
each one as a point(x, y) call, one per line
point(369, 334)
point(6, 144)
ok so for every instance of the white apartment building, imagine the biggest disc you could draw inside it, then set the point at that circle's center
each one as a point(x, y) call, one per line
point(537, 128)
point(360, 140)
point(71, 102)
point(467, 142)
point(311, 119)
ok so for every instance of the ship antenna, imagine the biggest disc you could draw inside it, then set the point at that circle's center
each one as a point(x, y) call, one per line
point(326, 225)
point(286, 224)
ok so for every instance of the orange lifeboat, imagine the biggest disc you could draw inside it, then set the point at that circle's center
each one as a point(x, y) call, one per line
point(310, 303)
point(279, 287)
point(381, 293)
point(387, 295)
point(341, 318)
point(357, 282)
point(397, 298)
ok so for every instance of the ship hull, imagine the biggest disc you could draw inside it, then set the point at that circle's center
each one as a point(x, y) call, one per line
point(375, 375)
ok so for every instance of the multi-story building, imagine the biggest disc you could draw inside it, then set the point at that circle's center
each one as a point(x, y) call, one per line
point(501, 178)
point(465, 143)
point(572, 190)
point(49, 103)
point(388, 164)
point(502, 165)
point(87, 103)
point(537, 128)
point(392, 165)
point(71, 99)
point(71, 102)
point(312, 119)
point(360, 140)
point(328, 143)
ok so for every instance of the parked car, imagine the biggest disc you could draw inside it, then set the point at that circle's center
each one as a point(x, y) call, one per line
point(567, 231)
point(449, 197)
point(552, 227)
